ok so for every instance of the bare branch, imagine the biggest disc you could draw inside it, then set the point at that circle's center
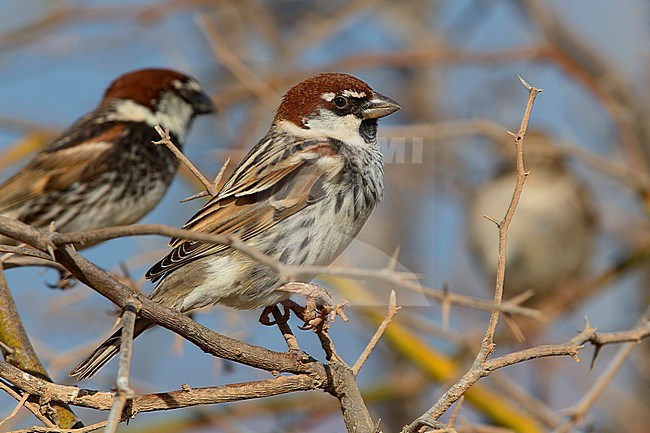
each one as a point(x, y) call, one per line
point(236, 67)
point(23, 355)
point(487, 344)
point(185, 397)
point(392, 310)
point(344, 387)
point(34, 408)
point(40, 239)
point(167, 141)
point(13, 413)
point(581, 408)
point(124, 390)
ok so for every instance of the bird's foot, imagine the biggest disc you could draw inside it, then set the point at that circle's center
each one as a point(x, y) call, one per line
point(318, 311)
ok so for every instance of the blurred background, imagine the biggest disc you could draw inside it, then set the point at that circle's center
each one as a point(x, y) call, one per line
point(582, 245)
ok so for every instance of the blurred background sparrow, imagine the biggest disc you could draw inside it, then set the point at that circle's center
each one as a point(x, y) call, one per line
point(551, 237)
point(104, 170)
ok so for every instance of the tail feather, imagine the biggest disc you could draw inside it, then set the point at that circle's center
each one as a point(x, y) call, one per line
point(106, 351)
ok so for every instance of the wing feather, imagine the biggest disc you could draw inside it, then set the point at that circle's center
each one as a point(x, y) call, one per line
point(56, 169)
point(266, 188)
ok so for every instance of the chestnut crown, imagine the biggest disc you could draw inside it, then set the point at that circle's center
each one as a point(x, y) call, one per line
point(148, 86)
point(341, 94)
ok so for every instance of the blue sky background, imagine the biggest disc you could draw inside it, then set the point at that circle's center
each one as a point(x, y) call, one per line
point(54, 73)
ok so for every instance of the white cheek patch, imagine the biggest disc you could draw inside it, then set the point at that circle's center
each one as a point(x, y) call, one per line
point(354, 94)
point(328, 125)
point(172, 113)
point(328, 96)
point(130, 111)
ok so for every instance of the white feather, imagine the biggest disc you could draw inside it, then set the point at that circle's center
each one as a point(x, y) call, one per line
point(172, 113)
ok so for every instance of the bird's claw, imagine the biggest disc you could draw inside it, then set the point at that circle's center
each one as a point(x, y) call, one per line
point(318, 311)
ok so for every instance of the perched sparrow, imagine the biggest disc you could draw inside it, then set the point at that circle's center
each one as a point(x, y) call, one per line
point(104, 170)
point(552, 234)
point(301, 195)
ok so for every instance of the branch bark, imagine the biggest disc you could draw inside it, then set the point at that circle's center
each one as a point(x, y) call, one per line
point(185, 397)
point(21, 353)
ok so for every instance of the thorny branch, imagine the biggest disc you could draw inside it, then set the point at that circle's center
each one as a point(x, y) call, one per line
point(185, 397)
point(40, 239)
point(402, 59)
point(33, 407)
point(487, 344)
point(335, 378)
point(165, 140)
point(392, 310)
point(631, 337)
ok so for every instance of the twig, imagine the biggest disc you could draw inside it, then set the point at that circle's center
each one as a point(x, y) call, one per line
point(392, 310)
point(124, 390)
point(34, 408)
point(39, 239)
point(237, 68)
point(285, 329)
point(487, 344)
point(580, 409)
point(23, 251)
point(166, 140)
point(216, 185)
point(454, 414)
point(186, 397)
point(343, 386)
point(23, 355)
point(13, 413)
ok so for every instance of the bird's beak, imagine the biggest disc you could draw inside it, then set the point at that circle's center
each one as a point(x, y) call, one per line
point(202, 103)
point(378, 106)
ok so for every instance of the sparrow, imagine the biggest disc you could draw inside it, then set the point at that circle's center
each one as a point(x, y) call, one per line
point(301, 195)
point(551, 237)
point(104, 170)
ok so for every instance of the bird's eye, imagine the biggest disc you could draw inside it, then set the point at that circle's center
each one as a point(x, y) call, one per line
point(341, 102)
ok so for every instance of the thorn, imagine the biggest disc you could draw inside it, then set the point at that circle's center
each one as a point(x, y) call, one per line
point(217, 180)
point(528, 87)
point(524, 82)
point(195, 196)
point(512, 134)
point(494, 220)
point(597, 348)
